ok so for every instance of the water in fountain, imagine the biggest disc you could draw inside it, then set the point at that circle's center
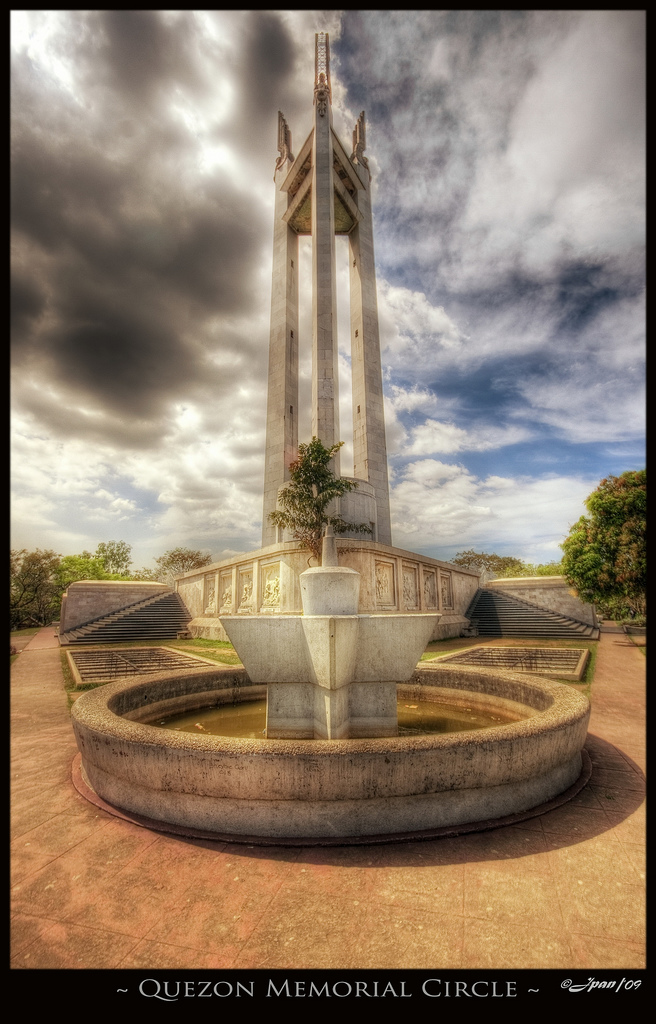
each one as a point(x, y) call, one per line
point(247, 720)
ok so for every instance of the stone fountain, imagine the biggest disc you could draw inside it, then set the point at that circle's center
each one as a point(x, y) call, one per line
point(331, 674)
point(332, 766)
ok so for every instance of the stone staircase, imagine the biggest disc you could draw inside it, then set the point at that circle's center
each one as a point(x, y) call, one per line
point(494, 614)
point(160, 617)
point(102, 665)
point(566, 663)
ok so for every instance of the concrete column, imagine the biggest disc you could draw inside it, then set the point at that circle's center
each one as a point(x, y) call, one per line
point(325, 394)
point(282, 397)
point(235, 596)
point(256, 597)
point(369, 444)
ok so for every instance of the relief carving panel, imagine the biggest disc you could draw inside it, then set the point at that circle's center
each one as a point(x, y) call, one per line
point(410, 592)
point(430, 589)
point(225, 592)
point(245, 588)
point(210, 595)
point(385, 584)
point(445, 586)
point(271, 586)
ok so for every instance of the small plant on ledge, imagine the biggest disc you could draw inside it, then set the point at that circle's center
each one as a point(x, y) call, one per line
point(304, 502)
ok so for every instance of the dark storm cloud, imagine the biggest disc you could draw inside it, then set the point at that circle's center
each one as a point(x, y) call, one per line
point(131, 246)
point(263, 67)
point(56, 183)
point(143, 53)
point(119, 335)
point(72, 200)
point(27, 302)
point(214, 254)
point(131, 363)
point(269, 56)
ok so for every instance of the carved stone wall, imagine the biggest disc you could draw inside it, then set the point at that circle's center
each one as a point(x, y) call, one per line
point(267, 582)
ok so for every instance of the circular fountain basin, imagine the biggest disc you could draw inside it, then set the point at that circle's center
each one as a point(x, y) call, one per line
point(295, 789)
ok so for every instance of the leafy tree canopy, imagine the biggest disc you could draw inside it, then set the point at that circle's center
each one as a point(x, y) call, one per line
point(116, 556)
point(494, 563)
point(144, 575)
point(179, 560)
point(305, 500)
point(38, 578)
point(34, 593)
point(605, 552)
point(505, 566)
point(531, 569)
point(86, 566)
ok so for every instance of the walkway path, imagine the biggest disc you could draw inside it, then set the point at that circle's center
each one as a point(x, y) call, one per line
point(562, 891)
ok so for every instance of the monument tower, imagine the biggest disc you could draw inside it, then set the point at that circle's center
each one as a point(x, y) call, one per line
point(323, 192)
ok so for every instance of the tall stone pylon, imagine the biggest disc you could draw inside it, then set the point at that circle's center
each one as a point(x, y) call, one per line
point(323, 192)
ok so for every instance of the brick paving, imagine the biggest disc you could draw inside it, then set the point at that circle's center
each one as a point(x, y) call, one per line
point(565, 890)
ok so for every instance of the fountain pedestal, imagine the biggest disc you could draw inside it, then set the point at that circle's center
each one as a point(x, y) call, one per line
point(331, 673)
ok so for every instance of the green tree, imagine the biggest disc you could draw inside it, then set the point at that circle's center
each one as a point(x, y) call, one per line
point(305, 500)
point(529, 569)
point(145, 575)
point(86, 566)
point(178, 560)
point(39, 578)
point(498, 564)
point(116, 556)
point(605, 552)
point(34, 592)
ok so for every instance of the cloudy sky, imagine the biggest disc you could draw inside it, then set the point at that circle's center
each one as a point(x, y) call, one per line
point(507, 150)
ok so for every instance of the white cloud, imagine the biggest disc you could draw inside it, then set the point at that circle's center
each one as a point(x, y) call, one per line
point(433, 437)
point(436, 506)
point(602, 396)
point(582, 411)
point(411, 317)
point(568, 178)
point(193, 491)
point(417, 338)
point(414, 400)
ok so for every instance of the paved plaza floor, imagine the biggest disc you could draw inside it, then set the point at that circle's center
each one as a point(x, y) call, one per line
point(565, 890)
